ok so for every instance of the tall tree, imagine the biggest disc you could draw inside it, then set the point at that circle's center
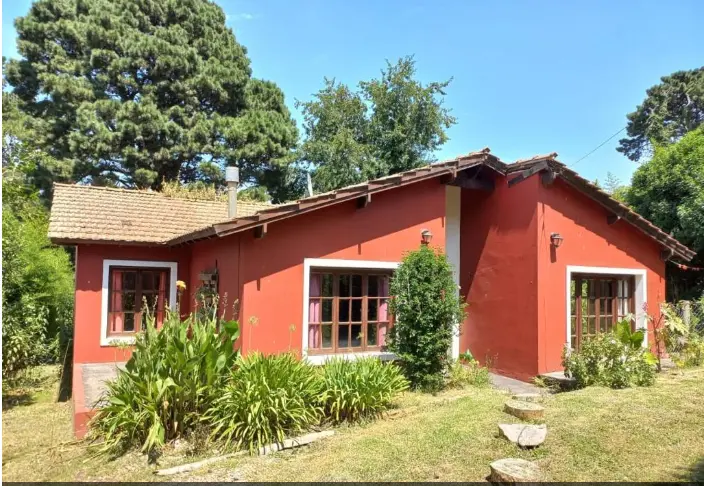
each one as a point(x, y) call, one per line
point(670, 110)
point(134, 93)
point(669, 191)
point(387, 125)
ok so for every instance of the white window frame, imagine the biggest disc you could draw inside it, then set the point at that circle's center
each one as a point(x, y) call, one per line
point(106, 340)
point(641, 294)
point(308, 264)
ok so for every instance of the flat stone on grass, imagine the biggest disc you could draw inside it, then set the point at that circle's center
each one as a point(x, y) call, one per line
point(524, 410)
point(526, 436)
point(514, 471)
point(528, 397)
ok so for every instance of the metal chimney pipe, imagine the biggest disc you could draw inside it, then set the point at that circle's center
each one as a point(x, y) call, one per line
point(232, 177)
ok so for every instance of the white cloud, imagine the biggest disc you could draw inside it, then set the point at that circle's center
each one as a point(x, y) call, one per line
point(240, 17)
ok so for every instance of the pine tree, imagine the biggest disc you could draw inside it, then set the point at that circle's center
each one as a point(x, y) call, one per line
point(134, 93)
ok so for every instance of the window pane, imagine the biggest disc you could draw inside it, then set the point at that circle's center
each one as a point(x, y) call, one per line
point(573, 326)
point(372, 306)
point(128, 323)
point(343, 314)
point(356, 335)
point(357, 310)
point(327, 310)
point(371, 334)
point(327, 336)
point(147, 281)
point(344, 286)
point(128, 301)
point(356, 285)
point(129, 280)
point(327, 285)
point(373, 286)
point(343, 338)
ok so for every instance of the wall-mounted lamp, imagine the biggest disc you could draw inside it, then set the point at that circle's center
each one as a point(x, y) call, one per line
point(426, 236)
point(556, 239)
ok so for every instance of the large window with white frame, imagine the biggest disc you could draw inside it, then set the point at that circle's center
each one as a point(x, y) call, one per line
point(347, 310)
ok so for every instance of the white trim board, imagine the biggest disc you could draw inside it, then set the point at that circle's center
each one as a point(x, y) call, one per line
point(172, 266)
point(309, 263)
point(641, 294)
point(453, 208)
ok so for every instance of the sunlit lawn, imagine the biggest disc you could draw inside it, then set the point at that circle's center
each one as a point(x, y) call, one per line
point(640, 434)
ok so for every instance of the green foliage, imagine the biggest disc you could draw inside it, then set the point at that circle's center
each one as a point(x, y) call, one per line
point(427, 312)
point(670, 110)
point(669, 191)
point(37, 290)
point(387, 126)
point(625, 333)
point(464, 373)
point(684, 341)
point(355, 389)
point(133, 93)
point(266, 399)
point(606, 360)
point(171, 380)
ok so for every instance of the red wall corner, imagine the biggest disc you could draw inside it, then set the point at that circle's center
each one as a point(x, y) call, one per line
point(498, 276)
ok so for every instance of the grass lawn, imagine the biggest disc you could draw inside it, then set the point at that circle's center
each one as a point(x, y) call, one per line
point(596, 434)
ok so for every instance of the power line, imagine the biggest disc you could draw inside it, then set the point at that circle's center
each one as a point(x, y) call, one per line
point(597, 148)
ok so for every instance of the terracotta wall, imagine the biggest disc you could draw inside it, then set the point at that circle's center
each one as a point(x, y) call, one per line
point(498, 276)
point(588, 241)
point(269, 277)
point(89, 281)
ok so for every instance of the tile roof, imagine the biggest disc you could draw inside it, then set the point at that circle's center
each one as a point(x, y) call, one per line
point(98, 214)
point(109, 215)
point(343, 194)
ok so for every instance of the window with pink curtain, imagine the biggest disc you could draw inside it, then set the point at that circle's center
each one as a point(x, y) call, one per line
point(129, 290)
point(347, 311)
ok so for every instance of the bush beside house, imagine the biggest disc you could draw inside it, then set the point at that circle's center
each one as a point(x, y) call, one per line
point(615, 359)
point(427, 311)
point(187, 376)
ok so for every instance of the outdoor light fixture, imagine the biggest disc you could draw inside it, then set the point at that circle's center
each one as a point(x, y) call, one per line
point(426, 236)
point(556, 239)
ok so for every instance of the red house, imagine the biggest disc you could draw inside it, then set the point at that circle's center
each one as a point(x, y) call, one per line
point(529, 242)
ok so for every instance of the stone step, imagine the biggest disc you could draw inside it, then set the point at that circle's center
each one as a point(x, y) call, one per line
point(512, 470)
point(526, 436)
point(528, 397)
point(524, 410)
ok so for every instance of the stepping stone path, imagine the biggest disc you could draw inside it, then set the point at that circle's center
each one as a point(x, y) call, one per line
point(524, 410)
point(514, 471)
point(526, 436)
point(511, 470)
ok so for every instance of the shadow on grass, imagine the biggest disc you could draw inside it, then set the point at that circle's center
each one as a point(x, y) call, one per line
point(695, 473)
point(17, 397)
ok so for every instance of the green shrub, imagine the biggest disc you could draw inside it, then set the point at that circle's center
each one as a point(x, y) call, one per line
point(359, 388)
point(466, 372)
point(607, 361)
point(684, 341)
point(37, 286)
point(169, 382)
point(266, 399)
point(427, 311)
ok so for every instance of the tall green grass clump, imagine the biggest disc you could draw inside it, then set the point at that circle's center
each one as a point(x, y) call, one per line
point(266, 399)
point(170, 381)
point(355, 389)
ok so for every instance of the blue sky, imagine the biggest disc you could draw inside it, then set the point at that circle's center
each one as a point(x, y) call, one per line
point(529, 77)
